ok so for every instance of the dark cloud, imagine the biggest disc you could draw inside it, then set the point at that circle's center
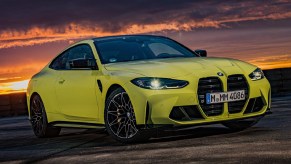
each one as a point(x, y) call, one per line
point(114, 15)
point(110, 15)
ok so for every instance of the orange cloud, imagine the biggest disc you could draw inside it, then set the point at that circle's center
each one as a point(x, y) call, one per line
point(73, 31)
point(38, 35)
point(19, 86)
point(20, 72)
point(9, 79)
point(274, 16)
point(282, 61)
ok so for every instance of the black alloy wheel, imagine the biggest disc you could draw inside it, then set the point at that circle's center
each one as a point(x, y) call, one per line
point(38, 119)
point(120, 118)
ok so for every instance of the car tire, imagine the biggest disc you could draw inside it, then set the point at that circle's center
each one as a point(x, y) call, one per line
point(238, 125)
point(38, 119)
point(120, 119)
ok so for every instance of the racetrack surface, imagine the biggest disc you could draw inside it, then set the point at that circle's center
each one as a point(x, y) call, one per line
point(269, 141)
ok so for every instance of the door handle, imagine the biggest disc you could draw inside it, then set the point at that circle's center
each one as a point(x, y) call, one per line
point(62, 81)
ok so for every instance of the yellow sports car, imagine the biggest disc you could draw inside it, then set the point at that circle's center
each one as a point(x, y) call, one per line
point(134, 84)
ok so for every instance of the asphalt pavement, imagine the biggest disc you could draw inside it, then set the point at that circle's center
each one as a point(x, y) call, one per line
point(269, 141)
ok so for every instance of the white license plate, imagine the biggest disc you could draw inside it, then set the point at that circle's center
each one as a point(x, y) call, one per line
point(220, 97)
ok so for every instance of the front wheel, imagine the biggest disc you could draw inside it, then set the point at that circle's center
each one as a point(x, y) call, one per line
point(38, 119)
point(120, 118)
point(238, 125)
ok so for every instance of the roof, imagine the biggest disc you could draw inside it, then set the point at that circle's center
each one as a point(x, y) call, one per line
point(121, 36)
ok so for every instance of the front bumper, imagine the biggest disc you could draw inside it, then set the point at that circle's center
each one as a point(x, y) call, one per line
point(154, 107)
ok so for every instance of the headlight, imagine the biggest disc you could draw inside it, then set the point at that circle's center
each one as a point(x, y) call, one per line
point(159, 83)
point(257, 74)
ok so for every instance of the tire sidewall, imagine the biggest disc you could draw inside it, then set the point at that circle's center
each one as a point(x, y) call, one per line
point(47, 130)
point(44, 119)
point(138, 137)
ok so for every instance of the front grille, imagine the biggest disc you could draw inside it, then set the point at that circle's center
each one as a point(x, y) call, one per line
point(254, 105)
point(209, 85)
point(234, 83)
point(185, 113)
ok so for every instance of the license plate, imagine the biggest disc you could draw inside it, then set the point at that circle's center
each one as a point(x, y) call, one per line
point(220, 97)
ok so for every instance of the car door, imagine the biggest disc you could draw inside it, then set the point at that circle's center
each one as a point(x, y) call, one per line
point(76, 87)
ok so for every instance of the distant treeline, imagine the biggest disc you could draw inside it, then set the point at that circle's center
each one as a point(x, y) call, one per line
point(13, 104)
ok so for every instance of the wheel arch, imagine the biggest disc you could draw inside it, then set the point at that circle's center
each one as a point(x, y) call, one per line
point(29, 102)
point(107, 92)
point(139, 109)
point(34, 94)
point(111, 89)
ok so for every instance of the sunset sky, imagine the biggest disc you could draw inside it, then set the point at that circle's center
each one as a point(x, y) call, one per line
point(32, 32)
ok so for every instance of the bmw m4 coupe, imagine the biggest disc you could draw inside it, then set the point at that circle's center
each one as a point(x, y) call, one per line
point(134, 84)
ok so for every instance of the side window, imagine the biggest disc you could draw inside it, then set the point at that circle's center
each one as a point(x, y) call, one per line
point(81, 52)
point(81, 57)
point(60, 62)
point(63, 62)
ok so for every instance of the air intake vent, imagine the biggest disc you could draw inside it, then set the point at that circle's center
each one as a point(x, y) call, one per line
point(254, 105)
point(185, 113)
point(209, 85)
point(234, 83)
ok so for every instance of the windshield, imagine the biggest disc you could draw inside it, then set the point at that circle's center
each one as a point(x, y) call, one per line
point(131, 48)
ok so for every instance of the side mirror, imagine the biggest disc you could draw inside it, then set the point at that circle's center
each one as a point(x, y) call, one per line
point(83, 64)
point(201, 53)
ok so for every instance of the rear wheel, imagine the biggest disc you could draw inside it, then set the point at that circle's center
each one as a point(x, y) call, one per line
point(120, 119)
point(38, 119)
point(238, 125)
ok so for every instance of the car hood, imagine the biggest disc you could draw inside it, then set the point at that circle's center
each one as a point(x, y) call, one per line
point(176, 67)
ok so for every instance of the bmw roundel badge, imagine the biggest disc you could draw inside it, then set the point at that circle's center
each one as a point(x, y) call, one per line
point(219, 73)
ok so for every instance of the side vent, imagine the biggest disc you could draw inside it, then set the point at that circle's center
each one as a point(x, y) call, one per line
point(99, 85)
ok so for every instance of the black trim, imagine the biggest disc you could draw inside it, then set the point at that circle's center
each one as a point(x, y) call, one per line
point(269, 98)
point(268, 112)
point(173, 127)
point(255, 104)
point(105, 38)
point(154, 126)
point(75, 123)
point(147, 115)
point(185, 113)
point(99, 85)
